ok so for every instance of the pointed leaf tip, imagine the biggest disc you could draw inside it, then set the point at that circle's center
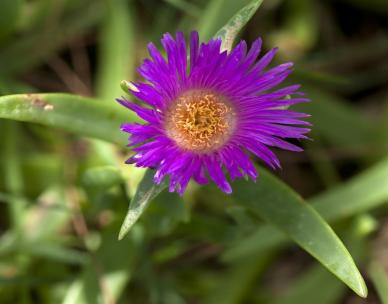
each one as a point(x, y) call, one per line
point(230, 30)
point(145, 193)
point(276, 203)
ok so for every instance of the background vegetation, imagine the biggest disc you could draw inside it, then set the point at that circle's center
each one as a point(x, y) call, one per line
point(64, 189)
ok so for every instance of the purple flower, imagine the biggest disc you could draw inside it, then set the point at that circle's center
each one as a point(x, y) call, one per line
point(206, 113)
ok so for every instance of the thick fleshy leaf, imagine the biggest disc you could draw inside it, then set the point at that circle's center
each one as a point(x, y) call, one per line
point(91, 118)
point(279, 205)
point(365, 191)
point(308, 284)
point(230, 30)
point(80, 115)
point(219, 13)
point(146, 191)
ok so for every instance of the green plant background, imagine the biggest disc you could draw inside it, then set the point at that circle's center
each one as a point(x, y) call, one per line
point(314, 232)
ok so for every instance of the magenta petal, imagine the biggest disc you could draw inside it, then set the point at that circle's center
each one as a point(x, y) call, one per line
point(250, 88)
point(216, 174)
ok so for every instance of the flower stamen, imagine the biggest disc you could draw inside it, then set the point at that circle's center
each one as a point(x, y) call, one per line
point(200, 121)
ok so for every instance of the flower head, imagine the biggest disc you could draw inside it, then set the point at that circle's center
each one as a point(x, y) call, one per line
point(206, 113)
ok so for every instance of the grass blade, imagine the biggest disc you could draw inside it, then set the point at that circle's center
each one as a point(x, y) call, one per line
point(116, 50)
point(336, 121)
point(363, 192)
point(380, 280)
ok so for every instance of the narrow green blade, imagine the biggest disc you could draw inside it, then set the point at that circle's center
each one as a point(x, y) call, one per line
point(116, 63)
point(380, 280)
point(363, 192)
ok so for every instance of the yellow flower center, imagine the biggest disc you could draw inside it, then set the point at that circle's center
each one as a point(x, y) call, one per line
point(200, 121)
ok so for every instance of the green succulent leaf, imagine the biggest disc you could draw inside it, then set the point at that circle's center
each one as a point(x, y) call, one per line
point(283, 208)
point(364, 192)
point(146, 192)
point(226, 18)
point(81, 115)
point(278, 204)
point(230, 30)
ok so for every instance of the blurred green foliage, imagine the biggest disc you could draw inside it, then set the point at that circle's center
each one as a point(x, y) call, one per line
point(64, 195)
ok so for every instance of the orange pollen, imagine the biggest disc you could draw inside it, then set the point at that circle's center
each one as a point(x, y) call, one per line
point(200, 121)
